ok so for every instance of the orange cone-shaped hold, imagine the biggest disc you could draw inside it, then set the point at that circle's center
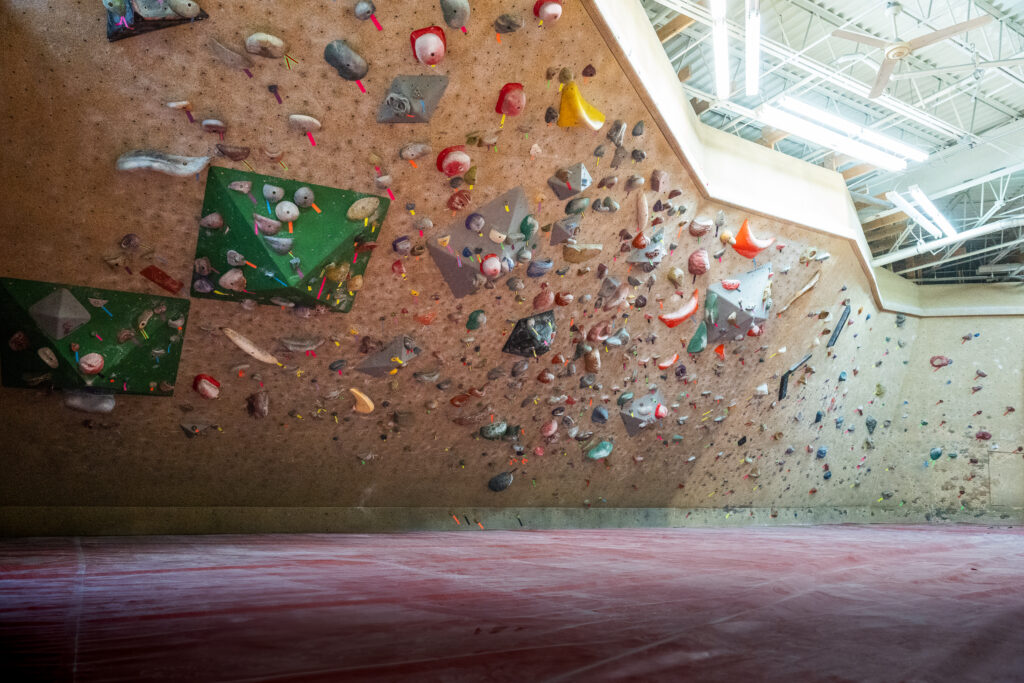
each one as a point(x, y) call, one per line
point(746, 244)
point(720, 350)
point(576, 111)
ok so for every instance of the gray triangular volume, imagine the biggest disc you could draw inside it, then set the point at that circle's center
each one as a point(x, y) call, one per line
point(578, 180)
point(402, 348)
point(459, 260)
point(412, 99)
point(59, 314)
point(750, 303)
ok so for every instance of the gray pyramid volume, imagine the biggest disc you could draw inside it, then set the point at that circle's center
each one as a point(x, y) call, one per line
point(638, 413)
point(412, 99)
point(459, 259)
point(733, 312)
point(397, 353)
point(59, 314)
point(577, 180)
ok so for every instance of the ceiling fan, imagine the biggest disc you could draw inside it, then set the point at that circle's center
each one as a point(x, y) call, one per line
point(899, 49)
point(976, 67)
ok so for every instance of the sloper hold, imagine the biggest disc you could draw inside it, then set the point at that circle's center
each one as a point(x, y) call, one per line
point(394, 356)
point(143, 16)
point(412, 99)
point(578, 180)
point(532, 336)
point(460, 271)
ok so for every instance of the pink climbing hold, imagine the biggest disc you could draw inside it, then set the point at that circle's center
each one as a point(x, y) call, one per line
point(940, 362)
point(547, 10)
point(453, 161)
point(429, 45)
point(511, 99)
point(730, 285)
point(983, 435)
point(490, 266)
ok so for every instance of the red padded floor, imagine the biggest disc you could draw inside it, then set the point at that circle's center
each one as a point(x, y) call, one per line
point(783, 604)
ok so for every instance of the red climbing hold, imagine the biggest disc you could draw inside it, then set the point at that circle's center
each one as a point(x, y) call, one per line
point(720, 351)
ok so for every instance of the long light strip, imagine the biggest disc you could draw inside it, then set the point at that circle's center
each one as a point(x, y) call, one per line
point(753, 48)
point(852, 129)
point(720, 46)
point(905, 206)
point(812, 132)
point(932, 211)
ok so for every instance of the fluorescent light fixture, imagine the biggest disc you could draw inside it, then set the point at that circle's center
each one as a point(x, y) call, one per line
point(812, 132)
point(932, 211)
point(753, 50)
point(905, 206)
point(720, 46)
point(852, 129)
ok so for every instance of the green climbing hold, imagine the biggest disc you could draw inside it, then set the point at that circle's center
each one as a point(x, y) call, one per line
point(477, 319)
point(601, 450)
point(494, 431)
point(578, 205)
point(625, 398)
point(529, 226)
point(699, 341)
point(711, 307)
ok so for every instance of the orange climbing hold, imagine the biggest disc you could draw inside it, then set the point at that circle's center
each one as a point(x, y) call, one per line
point(681, 314)
point(720, 351)
point(746, 244)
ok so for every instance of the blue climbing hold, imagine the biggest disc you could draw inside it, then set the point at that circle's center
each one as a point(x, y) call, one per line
point(842, 376)
point(828, 475)
point(822, 451)
point(818, 417)
point(600, 415)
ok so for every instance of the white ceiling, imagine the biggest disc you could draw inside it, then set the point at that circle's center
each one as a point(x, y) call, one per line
point(972, 124)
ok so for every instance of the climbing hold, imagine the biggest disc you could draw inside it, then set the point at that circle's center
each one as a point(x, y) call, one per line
point(273, 193)
point(699, 262)
point(822, 451)
point(600, 415)
point(940, 361)
point(265, 45)
point(363, 403)
point(842, 376)
point(304, 197)
point(745, 243)
point(500, 482)
point(494, 431)
point(548, 10)
point(490, 266)
point(700, 226)
point(171, 164)
point(453, 161)
point(574, 110)
point(286, 211)
point(602, 450)
point(456, 12)
point(206, 386)
point(511, 99)
point(364, 9)
point(720, 351)
point(508, 23)
point(687, 309)
point(638, 129)
point(935, 453)
point(429, 45)
point(343, 57)
point(476, 320)
point(258, 404)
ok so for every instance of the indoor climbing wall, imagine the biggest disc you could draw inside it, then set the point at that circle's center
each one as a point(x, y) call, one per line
point(441, 259)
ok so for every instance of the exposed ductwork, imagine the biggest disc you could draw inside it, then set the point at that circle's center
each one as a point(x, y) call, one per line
point(924, 247)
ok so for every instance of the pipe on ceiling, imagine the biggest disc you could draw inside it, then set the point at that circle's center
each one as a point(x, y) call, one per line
point(923, 247)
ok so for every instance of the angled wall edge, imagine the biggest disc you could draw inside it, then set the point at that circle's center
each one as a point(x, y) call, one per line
point(722, 167)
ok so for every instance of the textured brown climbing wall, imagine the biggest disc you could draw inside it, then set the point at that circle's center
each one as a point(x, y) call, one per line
point(75, 103)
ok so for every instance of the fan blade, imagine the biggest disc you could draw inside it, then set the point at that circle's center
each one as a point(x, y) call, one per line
point(934, 37)
point(959, 68)
point(860, 38)
point(882, 80)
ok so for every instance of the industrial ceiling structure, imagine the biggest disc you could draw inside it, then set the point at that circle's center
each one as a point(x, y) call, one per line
point(919, 105)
